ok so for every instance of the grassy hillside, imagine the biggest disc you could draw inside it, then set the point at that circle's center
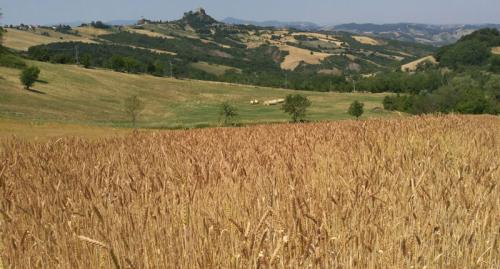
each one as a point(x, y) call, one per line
point(23, 40)
point(72, 94)
point(199, 47)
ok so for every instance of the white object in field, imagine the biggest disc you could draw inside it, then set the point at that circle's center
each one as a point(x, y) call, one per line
point(274, 102)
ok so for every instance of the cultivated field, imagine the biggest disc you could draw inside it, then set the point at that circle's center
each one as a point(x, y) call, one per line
point(367, 40)
point(23, 40)
point(417, 192)
point(410, 67)
point(71, 94)
point(298, 55)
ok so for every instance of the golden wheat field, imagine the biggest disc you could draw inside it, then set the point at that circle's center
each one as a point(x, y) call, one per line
point(418, 192)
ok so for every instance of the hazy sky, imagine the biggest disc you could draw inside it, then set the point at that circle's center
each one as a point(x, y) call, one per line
point(319, 11)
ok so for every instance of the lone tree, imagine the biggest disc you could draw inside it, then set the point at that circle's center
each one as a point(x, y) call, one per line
point(29, 76)
point(133, 107)
point(356, 109)
point(85, 61)
point(227, 113)
point(296, 105)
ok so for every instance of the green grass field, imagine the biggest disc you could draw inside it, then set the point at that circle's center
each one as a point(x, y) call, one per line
point(71, 94)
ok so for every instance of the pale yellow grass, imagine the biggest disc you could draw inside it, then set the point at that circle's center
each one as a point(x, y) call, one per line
point(410, 67)
point(417, 192)
point(367, 40)
point(390, 57)
point(495, 50)
point(153, 50)
point(205, 41)
point(298, 55)
point(92, 32)
point(23, 40)
point(149, 33)
point(322, 37)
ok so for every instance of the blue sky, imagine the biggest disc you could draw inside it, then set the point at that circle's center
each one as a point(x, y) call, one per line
point(319, 11)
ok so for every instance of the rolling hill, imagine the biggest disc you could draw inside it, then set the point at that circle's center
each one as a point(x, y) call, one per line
point(247, 54)
point(72, 94)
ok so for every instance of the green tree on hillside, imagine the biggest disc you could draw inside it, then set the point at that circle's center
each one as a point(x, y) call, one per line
point(296, 106)
point(356, 109)
point(29, 76)
point(117, 63)
point(86, 60)
point(133, 107)
point(467, 53)
point(228, 113)
point(495, 64)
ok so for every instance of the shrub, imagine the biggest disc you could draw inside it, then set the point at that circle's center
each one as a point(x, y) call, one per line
point(227, 113)
point(356, 109)
point(29, 76)
point(296, 105)
point(133, 107)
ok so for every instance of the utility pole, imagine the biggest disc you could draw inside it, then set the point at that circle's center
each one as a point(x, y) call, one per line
point(171, 70)
point(353, 83)
point(77, 58)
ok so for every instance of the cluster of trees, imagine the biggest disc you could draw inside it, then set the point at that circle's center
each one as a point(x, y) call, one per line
point(118, 58)
point(470, 85)
point(472, 50)
point(99, 25)
point(65, 29)
point(463, 94)
point(402, 82)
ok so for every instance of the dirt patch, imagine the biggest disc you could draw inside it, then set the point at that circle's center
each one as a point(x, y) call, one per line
point(91, 31)
point(367, 40)
point(22, 40)
point(149, 33)
point(334, 71)
point(298, 55)
point(410, 67)
point(496, 50)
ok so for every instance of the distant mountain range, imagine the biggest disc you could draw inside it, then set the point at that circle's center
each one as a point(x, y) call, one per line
point(412, 32)
point(305, 26)
point(430, 34)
